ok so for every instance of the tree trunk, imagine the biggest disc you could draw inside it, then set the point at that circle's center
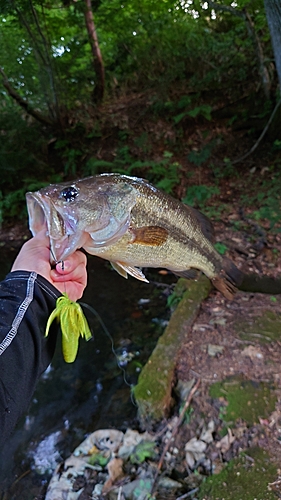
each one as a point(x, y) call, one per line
point(273, 14)
point(264, 74)
point(98, 62)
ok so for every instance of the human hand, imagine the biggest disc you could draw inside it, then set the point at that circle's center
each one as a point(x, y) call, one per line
point(70, 278)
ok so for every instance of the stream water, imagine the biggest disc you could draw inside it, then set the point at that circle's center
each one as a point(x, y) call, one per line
point(72, 400)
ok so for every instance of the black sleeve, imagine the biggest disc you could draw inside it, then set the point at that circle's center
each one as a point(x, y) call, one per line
point(26, 301)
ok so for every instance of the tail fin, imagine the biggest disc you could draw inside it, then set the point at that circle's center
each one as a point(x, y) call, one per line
point(229, 279)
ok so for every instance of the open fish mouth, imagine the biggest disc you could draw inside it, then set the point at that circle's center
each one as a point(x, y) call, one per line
point(43, 215)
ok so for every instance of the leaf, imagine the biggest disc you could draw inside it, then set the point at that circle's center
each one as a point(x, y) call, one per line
point(99, 459)
point(144, 450)
point(199, 194)
point(204, 110)
point(207, 434)
point(224, 444)
point(179, 117)
point(194, 451)
point(220, 247)
point(115, 470)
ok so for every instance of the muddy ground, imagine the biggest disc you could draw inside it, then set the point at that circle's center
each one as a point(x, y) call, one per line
point(234, 349)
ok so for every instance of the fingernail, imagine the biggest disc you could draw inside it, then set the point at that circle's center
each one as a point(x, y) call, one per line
point(65, 265)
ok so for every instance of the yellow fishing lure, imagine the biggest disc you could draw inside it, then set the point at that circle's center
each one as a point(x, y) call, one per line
point(73, 323)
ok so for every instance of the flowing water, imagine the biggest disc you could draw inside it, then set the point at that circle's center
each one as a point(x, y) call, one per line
point(72, 400)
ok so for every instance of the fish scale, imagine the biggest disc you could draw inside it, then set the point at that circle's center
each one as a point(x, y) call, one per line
point(132, 224)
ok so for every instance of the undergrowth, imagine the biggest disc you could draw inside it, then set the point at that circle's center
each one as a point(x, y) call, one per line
point(265, 202)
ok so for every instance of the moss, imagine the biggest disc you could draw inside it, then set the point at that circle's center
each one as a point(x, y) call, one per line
point(153, 393)
point(265, 328)
point(247, 399)
point(244, 478)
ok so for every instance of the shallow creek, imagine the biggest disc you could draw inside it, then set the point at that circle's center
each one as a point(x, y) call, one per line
point(72, 400)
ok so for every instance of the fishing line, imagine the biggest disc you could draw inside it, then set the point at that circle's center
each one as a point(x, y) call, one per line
point(62, 268)
point(58, 262)
point(54, 258)
point(106, 331)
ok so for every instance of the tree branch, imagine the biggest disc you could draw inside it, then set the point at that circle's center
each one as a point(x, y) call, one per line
point(175, 430)
point(260, 137)
point(226, 8)
point(22, 102)
point(49, 66)
point(98, 62)
point(265, 79)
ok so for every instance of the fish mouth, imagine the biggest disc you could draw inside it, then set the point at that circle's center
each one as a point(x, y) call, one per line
point(43, 214)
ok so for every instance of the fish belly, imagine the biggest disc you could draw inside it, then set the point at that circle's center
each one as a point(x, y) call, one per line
point(176, 257)
point(162, 233)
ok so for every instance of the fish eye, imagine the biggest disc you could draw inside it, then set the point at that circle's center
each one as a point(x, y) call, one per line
point(69, 193)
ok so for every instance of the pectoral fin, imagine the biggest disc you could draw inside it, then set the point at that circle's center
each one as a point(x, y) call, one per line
point(124, 269)
point(149, 235)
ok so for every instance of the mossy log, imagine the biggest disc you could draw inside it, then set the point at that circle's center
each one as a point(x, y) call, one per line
point(153, 392)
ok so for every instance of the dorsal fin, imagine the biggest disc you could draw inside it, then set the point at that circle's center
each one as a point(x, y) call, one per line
point(206, 225)
point(189, 274)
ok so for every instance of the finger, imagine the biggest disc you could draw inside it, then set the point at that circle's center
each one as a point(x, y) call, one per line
point(74, 290)
point(42, 237)
point(78, 275)
point(34, 255)
point(72, 262)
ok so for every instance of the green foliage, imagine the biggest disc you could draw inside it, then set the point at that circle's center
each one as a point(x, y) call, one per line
point(173, 300)
point(99, 459)
point(13, 203)
point(70, 157)
point(20, 147)
point(220, 247)
point(177, 294)
point(200, 157)
point(267, 200)
point(143, 490)
point(46, 50)
point(143, 450)
point(186, 59)
point(270, 207)
point(225, 170)
point(204, 110)
point(199, 195)
point(277, 145)
point(164, 173)
point(187, 414)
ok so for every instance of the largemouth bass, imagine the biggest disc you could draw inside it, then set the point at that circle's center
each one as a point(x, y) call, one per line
point(132, 224)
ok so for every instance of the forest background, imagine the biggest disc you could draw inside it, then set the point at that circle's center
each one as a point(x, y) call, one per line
point(184, 93)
